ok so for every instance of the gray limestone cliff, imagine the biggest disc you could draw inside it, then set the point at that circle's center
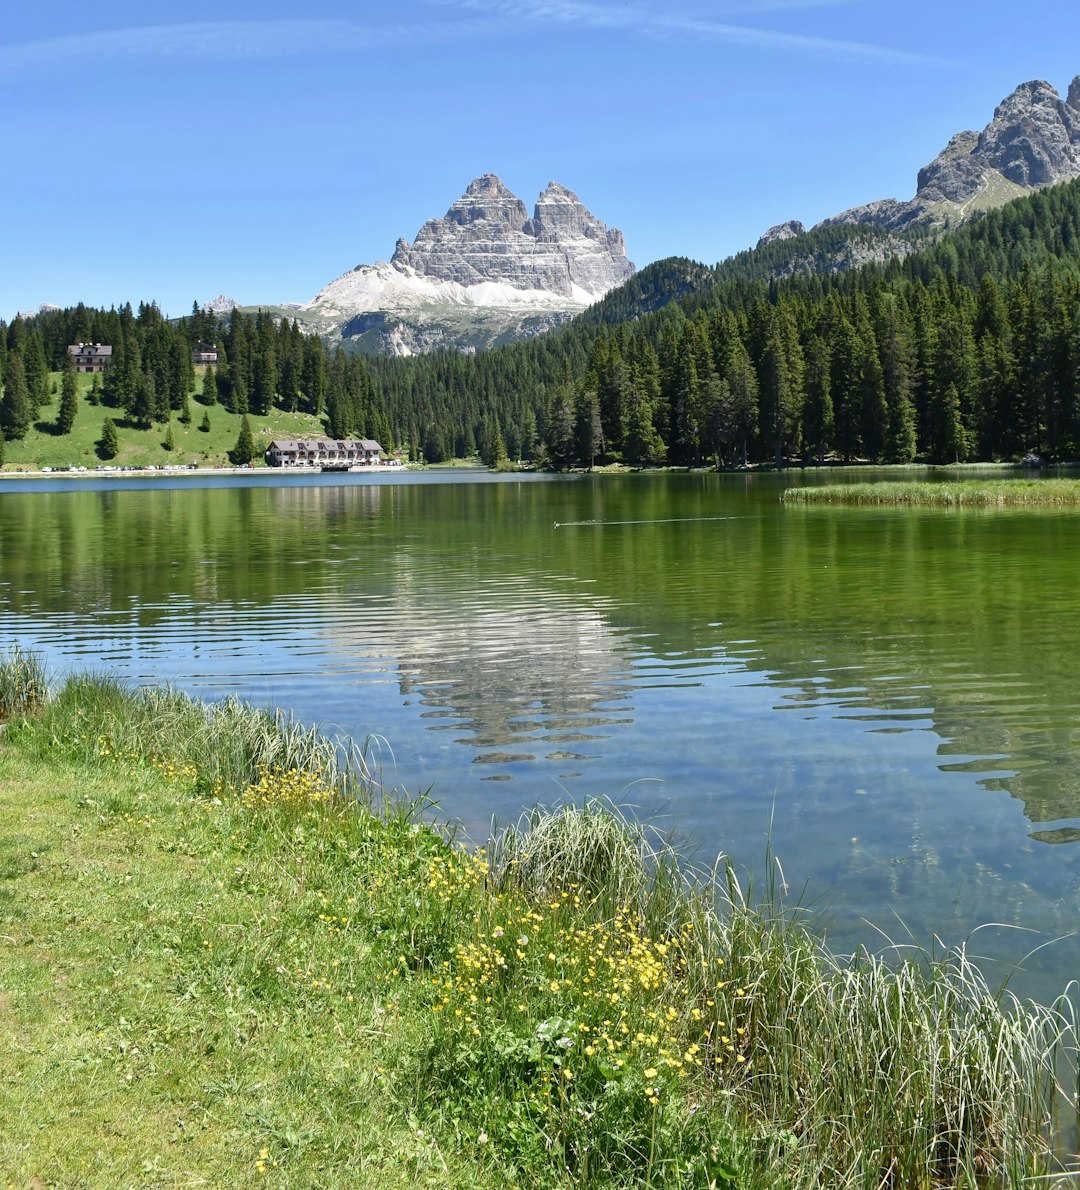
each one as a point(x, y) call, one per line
point(1032, 141)
point(485, 273)
point(781, 232)
point(487, 235)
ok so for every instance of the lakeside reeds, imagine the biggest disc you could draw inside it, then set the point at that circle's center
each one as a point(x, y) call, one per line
point(571, 1004)
point(965, 493)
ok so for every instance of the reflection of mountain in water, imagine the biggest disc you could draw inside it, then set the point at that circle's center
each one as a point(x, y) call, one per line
point(538, 677)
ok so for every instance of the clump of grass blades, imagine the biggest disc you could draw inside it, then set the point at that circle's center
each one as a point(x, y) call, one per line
point(229, 745)
point(973, 493)
point(624, 865)
point(889, 1073)
point(23, 684)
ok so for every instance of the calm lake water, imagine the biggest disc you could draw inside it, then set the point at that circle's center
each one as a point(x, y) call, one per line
point(888, 695)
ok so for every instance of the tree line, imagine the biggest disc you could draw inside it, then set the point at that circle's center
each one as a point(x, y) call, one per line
point(966, 348)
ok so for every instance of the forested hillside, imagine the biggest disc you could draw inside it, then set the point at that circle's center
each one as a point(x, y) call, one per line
point(968, 348)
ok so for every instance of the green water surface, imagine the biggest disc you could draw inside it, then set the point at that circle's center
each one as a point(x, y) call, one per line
point(888, 695)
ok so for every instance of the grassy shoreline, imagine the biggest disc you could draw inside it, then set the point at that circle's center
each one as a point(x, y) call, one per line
point(965, 493)
point(228, 959)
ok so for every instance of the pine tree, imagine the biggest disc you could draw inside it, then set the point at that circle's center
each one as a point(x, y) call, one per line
point(69, 397)
point(560, 431)
point(204, 425)
point(37, 372)
point(108, 445)
point(16, 413)
point(244, 450)
point(170, 442)
point(209, 394)
point(588, 433)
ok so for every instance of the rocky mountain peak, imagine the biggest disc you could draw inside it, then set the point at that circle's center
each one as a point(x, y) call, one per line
point(782, 231)
point(1034, 137)
point(1073, 98)
point(1033, 140)
point(222, 304)
point(483, 273)
point(487, 236)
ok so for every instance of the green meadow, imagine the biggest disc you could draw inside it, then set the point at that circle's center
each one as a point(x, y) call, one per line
point(43, 447)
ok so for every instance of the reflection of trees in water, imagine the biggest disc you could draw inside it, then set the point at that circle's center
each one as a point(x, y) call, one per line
point(963, 624)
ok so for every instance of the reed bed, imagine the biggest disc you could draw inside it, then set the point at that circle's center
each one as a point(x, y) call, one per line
point(577, 1003)
point(845, 1072)
point(967, 493)
point(225, 746)
point(24, 687)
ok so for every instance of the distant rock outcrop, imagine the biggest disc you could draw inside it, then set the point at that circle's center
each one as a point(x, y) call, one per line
point(221, 304)
point(782, 231)
point(1032, 141)
point(484, 273)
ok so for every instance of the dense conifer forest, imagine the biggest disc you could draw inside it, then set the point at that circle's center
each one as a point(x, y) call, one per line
point(969, 348)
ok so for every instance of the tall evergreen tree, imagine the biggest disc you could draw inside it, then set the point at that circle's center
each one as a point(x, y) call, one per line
point(244, 450)
point(16, 412)
point(69, 397)
point(209, 394)
point(108, 445)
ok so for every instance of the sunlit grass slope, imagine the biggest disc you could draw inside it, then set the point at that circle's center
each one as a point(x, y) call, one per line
point(42, 447)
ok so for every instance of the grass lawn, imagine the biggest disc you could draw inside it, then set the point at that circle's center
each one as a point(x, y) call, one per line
point(139, 448)
point(175, 1011)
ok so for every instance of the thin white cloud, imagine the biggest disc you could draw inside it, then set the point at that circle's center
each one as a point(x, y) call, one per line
point(231, 41)
point(670, 25)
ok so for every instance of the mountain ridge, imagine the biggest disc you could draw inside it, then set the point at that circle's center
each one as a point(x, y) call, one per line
point(1032, 141)
point(483, 271)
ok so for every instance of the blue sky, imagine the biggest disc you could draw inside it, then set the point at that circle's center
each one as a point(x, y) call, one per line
point(172, 155)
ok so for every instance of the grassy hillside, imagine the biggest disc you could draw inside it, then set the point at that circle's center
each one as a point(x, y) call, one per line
point(42, 447)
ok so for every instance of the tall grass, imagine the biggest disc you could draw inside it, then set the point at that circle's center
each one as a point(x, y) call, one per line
point(861, 1072)
point(969, 493)
point(23, 684)
point(226, 745)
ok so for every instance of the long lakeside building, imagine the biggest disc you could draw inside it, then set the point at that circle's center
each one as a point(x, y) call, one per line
point(323, 452)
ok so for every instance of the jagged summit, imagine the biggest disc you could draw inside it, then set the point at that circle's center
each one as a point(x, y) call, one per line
point(487, 236)
point(1032, 141)
point(487, 254)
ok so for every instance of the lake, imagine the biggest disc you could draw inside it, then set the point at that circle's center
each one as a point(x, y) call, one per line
point(886, 698)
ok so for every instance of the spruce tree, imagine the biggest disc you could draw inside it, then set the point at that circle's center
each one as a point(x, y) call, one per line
point(244, 450)
point(204, 425)
point(16, 413)
point(209, 394)
point(108, 445)
point(69, 398)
